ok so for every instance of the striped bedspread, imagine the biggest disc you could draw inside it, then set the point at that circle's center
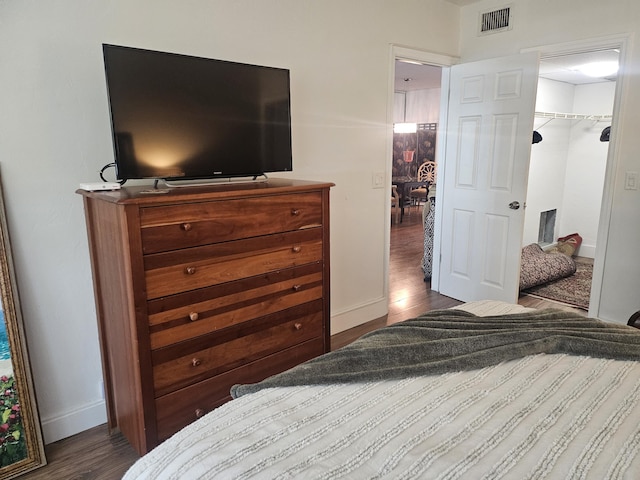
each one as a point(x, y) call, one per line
point(543, 416)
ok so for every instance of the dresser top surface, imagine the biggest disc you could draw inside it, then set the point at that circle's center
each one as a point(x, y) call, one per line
point(147, 194)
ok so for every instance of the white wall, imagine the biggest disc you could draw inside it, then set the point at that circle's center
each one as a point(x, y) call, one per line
point(548, 163)
point(538, 23)
point(566, 172)
point(417, 106)
point(423, 106)
point(54, 134)
point(586, 163)
point(399, 101)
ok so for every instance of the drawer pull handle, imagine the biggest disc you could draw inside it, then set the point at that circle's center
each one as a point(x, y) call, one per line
point(193, 316)
point(196, 362)
point(296, 249)
point(186, 227)
point(297, 326)
point(190, 270)
point(297, 287)
point(199, 412)
point(295, 212)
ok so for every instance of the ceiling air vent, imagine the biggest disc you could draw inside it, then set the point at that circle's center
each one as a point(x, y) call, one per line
point(495, 21)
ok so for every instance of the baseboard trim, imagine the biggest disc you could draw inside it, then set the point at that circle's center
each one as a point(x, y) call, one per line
point(61, 426)
point(67, 424)
point(355, 316)
point(588, 251)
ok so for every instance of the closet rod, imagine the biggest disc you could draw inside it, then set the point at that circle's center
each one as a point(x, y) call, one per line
point(573, 116)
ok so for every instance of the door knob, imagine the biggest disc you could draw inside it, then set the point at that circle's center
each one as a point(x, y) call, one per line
point(514, 205)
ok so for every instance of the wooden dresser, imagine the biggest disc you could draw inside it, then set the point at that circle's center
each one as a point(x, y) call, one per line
point(200, 288)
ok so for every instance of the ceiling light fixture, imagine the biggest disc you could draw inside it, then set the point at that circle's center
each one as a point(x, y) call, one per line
point(599, 69)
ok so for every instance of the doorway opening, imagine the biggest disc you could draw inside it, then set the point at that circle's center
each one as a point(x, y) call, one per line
point(618, 44)
point(567, 167)
point(416, 116)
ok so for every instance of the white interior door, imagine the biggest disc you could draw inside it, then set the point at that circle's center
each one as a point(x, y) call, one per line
point(489, 132)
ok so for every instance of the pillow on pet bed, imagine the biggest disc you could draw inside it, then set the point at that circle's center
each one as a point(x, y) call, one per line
point(540, 267)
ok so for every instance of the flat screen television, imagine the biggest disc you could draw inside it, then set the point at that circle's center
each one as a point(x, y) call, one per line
point(180, 117)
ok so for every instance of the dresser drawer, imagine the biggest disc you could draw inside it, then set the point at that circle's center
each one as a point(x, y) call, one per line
point(184, 316)
point(224, 354)
point(172, 227)
point(178, 409)
point(183, 270)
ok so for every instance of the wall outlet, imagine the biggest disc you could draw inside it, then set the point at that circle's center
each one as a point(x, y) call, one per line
point(631, 181)
point(378, 179)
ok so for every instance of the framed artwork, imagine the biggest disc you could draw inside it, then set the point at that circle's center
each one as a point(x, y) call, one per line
point(21, 443)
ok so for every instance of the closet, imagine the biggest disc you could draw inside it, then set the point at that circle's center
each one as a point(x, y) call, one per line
point(566, 171)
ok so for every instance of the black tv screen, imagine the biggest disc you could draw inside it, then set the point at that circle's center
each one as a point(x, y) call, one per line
point(183, 117)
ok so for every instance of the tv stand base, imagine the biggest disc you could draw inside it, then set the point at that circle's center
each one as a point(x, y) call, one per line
point(213, 181)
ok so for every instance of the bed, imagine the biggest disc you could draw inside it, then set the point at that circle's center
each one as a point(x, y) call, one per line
point(484, 391)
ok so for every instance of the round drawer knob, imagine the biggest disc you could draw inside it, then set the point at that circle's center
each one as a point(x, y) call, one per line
point(199, 412)
point(186, 227)
point(196, 362)
point(296, 288)
point(193, 316)
point(297, 326)
point(295, 212)
point(190, 270)
point(296, 249)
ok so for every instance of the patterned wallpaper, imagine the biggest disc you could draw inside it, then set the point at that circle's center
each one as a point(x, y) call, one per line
point(423, 142)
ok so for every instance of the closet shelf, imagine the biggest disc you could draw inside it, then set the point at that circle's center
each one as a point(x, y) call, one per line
point(573, 116)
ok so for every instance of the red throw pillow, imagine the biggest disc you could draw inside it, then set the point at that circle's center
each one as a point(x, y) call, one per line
point(569, 244)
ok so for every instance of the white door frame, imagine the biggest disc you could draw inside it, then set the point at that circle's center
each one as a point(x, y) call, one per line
point(612, 41)
point(399, 52)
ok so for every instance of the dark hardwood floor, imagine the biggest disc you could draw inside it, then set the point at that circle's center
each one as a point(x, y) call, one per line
point(409, 294)
point(90, 455)
point(96, 455)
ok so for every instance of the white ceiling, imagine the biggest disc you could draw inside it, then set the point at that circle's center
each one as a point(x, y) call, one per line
point(564, 68)
point(410, 76)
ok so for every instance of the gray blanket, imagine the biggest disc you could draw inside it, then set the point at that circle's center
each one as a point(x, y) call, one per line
point(452, 340)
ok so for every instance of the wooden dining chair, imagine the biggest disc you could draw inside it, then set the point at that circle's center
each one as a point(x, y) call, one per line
point(426, 173)
point(396, 208)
